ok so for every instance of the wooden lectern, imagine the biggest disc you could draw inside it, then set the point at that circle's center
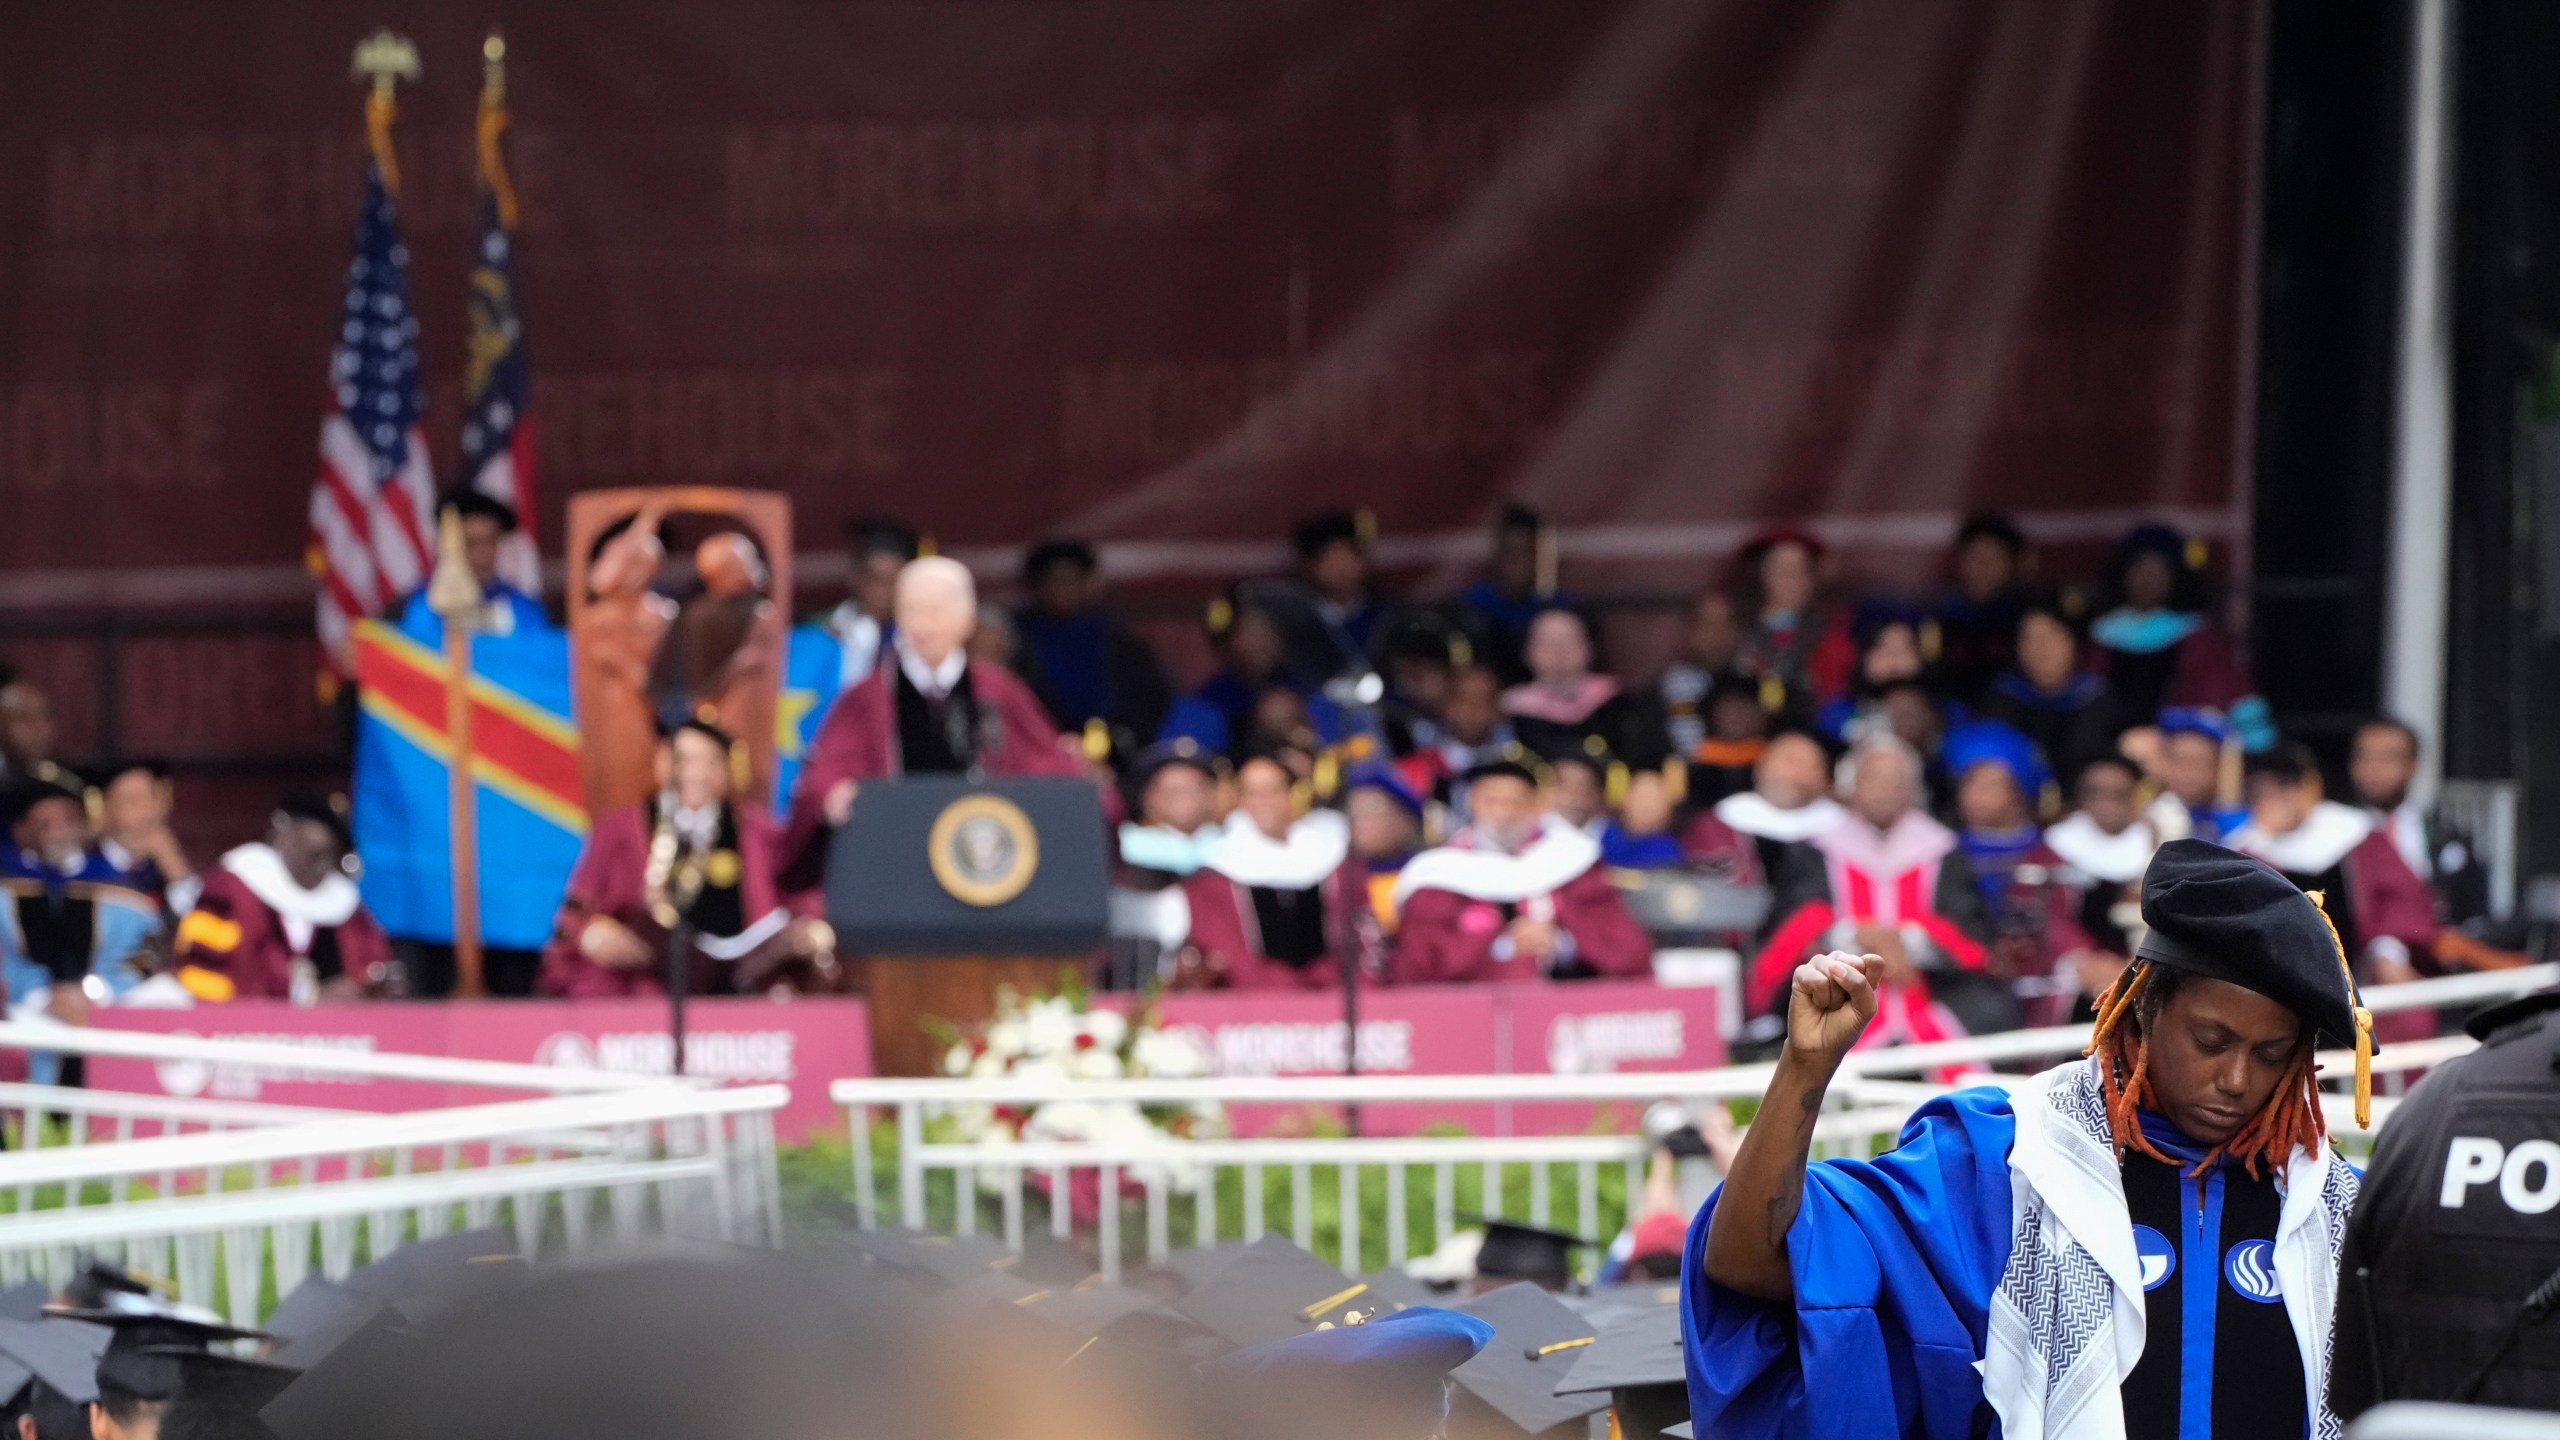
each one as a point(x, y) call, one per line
point(951, 889)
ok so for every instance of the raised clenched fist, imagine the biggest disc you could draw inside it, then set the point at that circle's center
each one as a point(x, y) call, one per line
point(1833, 999)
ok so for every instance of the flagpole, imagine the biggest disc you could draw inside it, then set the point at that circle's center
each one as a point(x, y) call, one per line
point(455, 597)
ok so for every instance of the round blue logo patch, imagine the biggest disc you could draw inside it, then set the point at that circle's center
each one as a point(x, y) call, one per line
point(2251, 1268)
point(2157, 1258)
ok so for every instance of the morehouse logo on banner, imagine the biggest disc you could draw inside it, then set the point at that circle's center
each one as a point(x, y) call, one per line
point(205, 1079)
point(745, 1056)
point(1301, 1047)
point(1598, 1043)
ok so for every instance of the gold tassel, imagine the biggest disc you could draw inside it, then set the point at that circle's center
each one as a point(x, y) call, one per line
point(2364, 1017)
point(1675, 779)
point(1615, 789)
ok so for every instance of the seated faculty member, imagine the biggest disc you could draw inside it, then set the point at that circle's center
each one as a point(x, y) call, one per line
point(693, 848)
point(1514, 896)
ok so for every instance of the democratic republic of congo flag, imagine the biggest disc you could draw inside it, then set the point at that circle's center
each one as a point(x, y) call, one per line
point(524, 762)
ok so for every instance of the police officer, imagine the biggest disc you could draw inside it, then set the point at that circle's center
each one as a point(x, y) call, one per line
point(2451, 1271)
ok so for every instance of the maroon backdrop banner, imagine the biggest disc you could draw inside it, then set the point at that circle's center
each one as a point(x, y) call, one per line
point(1164, 272)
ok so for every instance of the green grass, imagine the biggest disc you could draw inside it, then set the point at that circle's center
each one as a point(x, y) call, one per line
point(817, 1198)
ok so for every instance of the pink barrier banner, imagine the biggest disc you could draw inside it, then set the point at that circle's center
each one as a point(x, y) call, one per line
point(1591, 1028)
point(1402, 1032)
point(803, 1044)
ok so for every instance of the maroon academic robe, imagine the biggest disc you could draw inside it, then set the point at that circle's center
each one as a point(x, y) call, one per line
point(1454, 909)
point(1745, 840)
point(612, 879)
point(859, 741)
point(1225, 929)
point(233, 930)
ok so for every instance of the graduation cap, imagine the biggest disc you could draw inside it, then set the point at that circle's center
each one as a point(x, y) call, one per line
point(212, 1378)
point(432, 1276)
point(1638, 1360)
point(2223, 915)
point(342, 1393)
point(1513, 1251)
point(1393, 1290)
point(1511, 1387)
point(1273, 1290)
point(1196, 1267)
point(1388, 1377)
point(318, 1317)
point(1989, 742)
point(147, 1334)
point(1313, 535)
point(98, 1279)
point(26, 792)
point(947, 1259)
point(329, 815)
point(471, 502)
point(24, 1302)
point(61, 1354)
point(1182, 750)
point(1512, 764)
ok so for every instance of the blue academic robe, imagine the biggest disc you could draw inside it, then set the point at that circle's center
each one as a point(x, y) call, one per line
point(1895, 1261)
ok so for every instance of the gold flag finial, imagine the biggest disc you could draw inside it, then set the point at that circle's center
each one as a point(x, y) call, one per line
point(385, 59)
point(492, 126)
point(451, 592)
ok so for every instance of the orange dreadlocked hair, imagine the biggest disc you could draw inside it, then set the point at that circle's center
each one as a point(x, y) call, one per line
point(2291, 1117)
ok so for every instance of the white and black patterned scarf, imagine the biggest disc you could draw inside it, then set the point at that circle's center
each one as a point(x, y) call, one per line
point(2067, 1321)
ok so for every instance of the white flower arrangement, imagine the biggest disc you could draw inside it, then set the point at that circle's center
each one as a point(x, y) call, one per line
point(1063, 1037)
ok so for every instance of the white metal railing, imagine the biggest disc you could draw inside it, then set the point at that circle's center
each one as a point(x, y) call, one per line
point(270, 1058)
point(219, 1211)
point(1198, 1192)
point(223, 1195)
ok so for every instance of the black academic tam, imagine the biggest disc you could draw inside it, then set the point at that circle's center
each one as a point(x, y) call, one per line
point(2223, 915)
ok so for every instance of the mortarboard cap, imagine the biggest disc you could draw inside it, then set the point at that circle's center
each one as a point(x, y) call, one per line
point(24, 1302)
point(948, 1260)
point(2223, 915)
point(63, 1354)
point(1271, 1291)
point(471, 502)
point(209, 1377)
point(1393, 1290)
point(339, 1393)
point(97, 1279)
point(318, 1317)
point(445, 1273)
point(26, 792)
point(1989, 742)
point(327, 813)
point(146, 1334)
point(1182, 750)
point(1512, 1385)
point(1197, 1267)
point(1504, 767)
point(1313, 535)
point(1513, 1251)
point(1638, 1359)
point(1388, 1377)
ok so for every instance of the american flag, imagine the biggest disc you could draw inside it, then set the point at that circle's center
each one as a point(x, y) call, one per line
point(497, 433)
point(372, 531)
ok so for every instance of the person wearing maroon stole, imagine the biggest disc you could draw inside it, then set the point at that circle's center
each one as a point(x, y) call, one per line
point(1513, 897)
point(928, 709)
point(610, 940)
point(281, 919)
point(1273, 897)
point(1894, 883)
